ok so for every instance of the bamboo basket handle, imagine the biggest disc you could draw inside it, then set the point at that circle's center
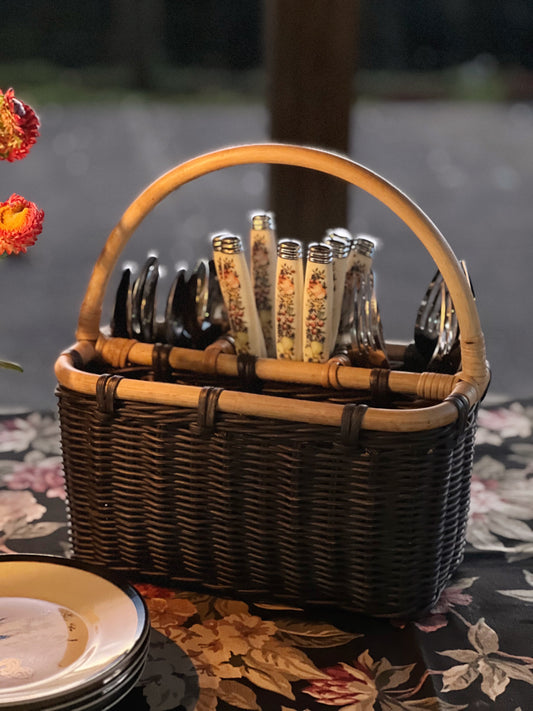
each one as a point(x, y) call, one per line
point(474, 365)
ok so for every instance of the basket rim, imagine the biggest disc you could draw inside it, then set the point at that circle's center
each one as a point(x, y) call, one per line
point(70, 374)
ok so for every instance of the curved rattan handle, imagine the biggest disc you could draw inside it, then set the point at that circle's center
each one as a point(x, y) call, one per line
point(475, 369)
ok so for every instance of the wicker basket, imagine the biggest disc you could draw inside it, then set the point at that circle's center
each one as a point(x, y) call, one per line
point(270, 479)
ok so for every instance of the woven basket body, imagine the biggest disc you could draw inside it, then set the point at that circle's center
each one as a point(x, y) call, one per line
point(262, 507)
point(289, 496)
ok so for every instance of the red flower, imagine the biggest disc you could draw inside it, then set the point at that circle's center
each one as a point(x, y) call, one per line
point(18, 127)
point(20, 223)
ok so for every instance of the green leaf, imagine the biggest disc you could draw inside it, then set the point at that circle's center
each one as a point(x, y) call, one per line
point(10, 366)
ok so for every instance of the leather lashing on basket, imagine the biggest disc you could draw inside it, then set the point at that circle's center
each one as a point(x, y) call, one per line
point(463, 407)
point(160, 362)
point(247, 375)
point(352, 416)
point(379, 386)
point(207, 407)
point(106, 387)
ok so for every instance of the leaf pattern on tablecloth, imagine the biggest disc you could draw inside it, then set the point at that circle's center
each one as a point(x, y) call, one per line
point(500, 423)
point(501, 506)
point(312, 634)
point(209, 653)
point(365, 683)
point(237, 695)
point(495, 667)
point(35, 431)
point(523, 595)
point(37, 472)
point(227, 642)
point(450, 597)
point(20, 515)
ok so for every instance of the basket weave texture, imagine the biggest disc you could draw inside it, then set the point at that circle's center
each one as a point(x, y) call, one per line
point(266, 508)
point(357, 498)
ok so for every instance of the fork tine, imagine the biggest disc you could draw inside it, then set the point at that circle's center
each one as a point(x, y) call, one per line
point(426, 325)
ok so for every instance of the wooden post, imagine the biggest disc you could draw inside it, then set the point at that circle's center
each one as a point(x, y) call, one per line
point(310, 52)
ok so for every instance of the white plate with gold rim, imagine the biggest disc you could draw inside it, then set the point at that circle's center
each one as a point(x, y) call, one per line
point(67, 634)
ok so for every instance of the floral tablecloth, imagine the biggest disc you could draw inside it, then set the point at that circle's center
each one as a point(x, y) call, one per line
point(473, 651)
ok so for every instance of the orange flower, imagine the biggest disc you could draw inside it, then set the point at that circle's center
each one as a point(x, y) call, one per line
point(18, 127)
point(20, 223)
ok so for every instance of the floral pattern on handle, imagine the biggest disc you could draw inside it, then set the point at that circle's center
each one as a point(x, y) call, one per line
point(315, 316)
point(230, 284)
point(261, 270)
point(287, 316)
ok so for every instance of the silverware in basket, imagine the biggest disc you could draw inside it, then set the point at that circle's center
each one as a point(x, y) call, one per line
point(448, 332)
point(147, 300)
point(174, 330)
point(142, 303)
point(119, 319)
point(428, 320)
point(446, 357)
point(216, 308)
point(197, 304)
point(368, 343)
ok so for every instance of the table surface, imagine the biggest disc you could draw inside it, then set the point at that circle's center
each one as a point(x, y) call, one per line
point(474, 650)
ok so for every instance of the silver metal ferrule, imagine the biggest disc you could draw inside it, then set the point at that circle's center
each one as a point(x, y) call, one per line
point(364, 246)
point(319, 253)
point(231, 244)
point(262, 221)
point(339, 246)
point(216, 240)
point(289, 249)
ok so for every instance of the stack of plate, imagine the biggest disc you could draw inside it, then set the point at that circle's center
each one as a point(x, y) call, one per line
point(70, 639)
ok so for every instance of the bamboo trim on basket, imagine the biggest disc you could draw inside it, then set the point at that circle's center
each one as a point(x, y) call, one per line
point(430, 386)
point(250, 404)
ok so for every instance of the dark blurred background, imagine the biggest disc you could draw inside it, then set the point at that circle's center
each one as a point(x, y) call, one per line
point(436, 97)
point(405, 48)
